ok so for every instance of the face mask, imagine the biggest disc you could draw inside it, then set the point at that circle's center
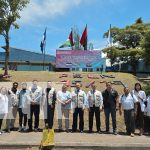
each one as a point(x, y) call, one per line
point(34, 86)
point(3, 91)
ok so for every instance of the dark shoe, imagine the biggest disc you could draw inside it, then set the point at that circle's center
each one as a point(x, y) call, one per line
point(29, 130)
point(115, 132)
point(36, 130)
point(90, 131)
point(8, 130)
point(67, 131)
point(99, 131)
point(107, 131)
point(12, 129)
point(60, 130)
point(73, 131)
point(81, 131)
point(128, 133)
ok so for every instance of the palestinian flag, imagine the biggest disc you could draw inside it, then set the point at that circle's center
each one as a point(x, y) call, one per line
point(69, 42)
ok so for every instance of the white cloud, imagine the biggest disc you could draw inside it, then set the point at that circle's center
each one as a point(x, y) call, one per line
point(38, 9)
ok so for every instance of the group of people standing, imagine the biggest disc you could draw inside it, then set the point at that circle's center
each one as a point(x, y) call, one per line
point(29, 101)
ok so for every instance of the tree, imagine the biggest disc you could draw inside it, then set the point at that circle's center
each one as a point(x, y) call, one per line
point(128, 41)
point(139, 20)
point(9, 13)
point(146, 47)
point(112, 53)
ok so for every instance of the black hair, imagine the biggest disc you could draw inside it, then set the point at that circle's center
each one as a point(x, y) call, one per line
point(15, 83)
point(136, 85)
point(35, 80)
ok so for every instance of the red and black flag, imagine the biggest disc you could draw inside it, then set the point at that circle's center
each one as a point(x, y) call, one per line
point(83, 40)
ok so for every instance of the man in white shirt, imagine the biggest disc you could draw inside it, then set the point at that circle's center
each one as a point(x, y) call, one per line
point(128, 102)
point(95, 104)
point(79, 102)
point(64, 106)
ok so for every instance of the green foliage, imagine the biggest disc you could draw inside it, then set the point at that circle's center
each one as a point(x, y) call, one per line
point(9, 13)
point(147, 89)
point(112, 53)
point(139, 20)
point(129, 39)
point(146, 47)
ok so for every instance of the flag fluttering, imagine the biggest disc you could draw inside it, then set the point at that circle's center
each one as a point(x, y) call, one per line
point(83, 40)
point(109, 40)
point(43, 41)
point(71, 38)
point(69, 42)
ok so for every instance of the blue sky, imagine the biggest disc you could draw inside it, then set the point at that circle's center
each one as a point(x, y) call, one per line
point(59, 16)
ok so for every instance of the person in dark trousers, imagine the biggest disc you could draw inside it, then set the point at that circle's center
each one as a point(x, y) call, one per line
point(111, 104)
point(128, 102)
point(95, 104)
point(101, 69)
point(36, 95)
point(49, 100)
point(141, 96)
point(79, 102)
point(24, 99)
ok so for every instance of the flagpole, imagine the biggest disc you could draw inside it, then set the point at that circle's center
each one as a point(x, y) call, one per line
point(86, 40)
point(72, 35)
point(44, 50)
point(44, 58)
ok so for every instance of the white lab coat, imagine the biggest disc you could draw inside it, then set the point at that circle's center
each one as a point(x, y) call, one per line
point(148, 106)
point(3, 104)
point(142, 95)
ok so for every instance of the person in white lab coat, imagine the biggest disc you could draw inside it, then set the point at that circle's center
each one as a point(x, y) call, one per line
point(3, 105)
point(141, 96)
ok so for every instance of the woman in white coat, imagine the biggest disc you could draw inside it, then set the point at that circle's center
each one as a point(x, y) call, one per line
point(147, 120)
point(141, 96)
point(3, 105)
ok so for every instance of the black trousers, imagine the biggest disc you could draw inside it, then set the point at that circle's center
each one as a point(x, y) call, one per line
point(129, 119)
point(50, 116)
point(34, 109)
point(96, 111)
point(1, 120)
point(21, 117)
point(112, 111)
point(139, 118)
point(80, 112)
point(147, 124)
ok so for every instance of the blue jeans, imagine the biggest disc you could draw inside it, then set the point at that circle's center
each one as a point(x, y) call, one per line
point(107, 112)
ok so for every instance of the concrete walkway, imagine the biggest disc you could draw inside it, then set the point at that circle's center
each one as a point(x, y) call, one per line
point(16, 140)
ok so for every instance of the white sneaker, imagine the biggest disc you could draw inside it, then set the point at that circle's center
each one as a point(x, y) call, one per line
point(0, 133)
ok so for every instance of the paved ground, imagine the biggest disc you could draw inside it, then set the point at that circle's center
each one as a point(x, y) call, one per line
point(15, 139)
